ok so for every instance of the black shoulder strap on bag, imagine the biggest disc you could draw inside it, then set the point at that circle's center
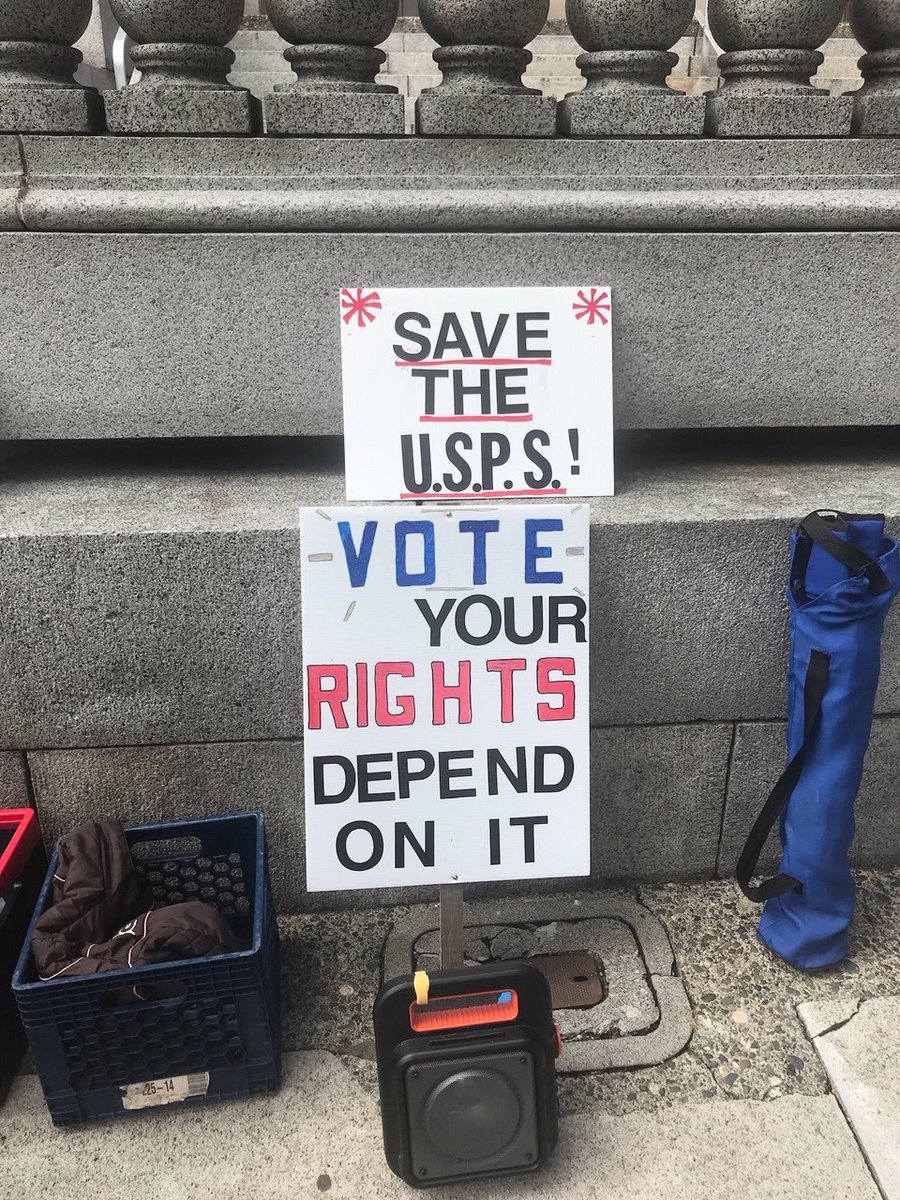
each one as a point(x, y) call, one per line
point(821, 528)
point(813, 694)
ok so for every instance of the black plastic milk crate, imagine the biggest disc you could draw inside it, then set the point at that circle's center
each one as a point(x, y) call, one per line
point(92, 1037)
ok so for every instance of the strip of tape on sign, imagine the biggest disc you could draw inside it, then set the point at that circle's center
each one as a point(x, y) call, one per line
point(154, 1092)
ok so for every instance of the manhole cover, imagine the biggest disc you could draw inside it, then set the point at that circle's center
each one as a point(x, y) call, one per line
point(575, 979)
point(626, 1006)
point(638, 1013)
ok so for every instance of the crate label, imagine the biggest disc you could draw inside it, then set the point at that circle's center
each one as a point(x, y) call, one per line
point(164, 1091)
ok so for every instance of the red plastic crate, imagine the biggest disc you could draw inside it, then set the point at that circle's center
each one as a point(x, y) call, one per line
point(23, 864)
point(22, 825)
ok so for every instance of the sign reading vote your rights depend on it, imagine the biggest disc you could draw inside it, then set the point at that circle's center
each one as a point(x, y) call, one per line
point(446, 687)
point(477, 393)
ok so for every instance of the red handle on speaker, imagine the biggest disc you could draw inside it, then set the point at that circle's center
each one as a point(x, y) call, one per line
point(464, 1011)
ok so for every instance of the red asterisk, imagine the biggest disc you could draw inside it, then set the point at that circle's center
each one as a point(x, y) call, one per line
point(359, 306)
point(595, 307)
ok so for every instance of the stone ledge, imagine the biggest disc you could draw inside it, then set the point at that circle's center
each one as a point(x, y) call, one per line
point(11, 182)
point(216, 331)
point(434, 211)
point(362, 184)
point(15, 790)
point(180, 594)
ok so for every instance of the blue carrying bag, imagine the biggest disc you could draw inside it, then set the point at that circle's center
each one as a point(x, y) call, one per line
point(844, 575)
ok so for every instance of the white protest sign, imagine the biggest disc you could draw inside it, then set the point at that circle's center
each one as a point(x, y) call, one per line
point(484, 393)
point(446, 694)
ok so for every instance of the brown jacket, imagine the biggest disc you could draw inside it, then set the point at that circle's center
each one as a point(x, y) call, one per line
point(102, 916)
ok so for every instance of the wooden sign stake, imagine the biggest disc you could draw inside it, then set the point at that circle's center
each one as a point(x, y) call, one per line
point(451, 925)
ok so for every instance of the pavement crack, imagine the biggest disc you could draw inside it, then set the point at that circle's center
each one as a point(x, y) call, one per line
point(839, 1024)
point(23, 186)
point(725, 790)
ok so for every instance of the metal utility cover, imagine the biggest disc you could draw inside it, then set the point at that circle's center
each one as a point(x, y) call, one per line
point(644, 1016)
point(575, 979)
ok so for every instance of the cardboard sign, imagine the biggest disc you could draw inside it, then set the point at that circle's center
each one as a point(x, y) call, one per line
point(446, 694)
point(484, 393)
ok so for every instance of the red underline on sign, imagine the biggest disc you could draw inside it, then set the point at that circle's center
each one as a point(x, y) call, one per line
point(487, 417)
point(479, 362)
point(481, 495)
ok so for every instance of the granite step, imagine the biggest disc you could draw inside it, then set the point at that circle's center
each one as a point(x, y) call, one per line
point(260, 83)
point(558, 88)
point(248, 40)
point(423, 64)
point(261, 60)
point(838, 87)
point(841, 64)
point(694, 85)
point(842, 46)
point(295, 219)
point(178, 662)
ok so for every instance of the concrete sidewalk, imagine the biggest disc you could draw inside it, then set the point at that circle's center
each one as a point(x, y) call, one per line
point(321, 1133)
point(858, 1046)
point(790, 1086)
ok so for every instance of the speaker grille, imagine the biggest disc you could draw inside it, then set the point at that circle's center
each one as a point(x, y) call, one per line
point(472, 1114)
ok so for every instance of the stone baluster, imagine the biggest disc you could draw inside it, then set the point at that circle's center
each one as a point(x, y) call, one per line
point(335, 56)
point(626, 63)
point(482, 56)
point(876, 107)
point(181, 50)
point(37, 62)
point(770, 57)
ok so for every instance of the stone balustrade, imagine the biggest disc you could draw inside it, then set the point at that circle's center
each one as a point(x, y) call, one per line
point(182, 58)
point(770, 56)
point(876, 24)
point(626, 63)
point(37, 91)
point(482, 56)
point(334, 54)
point(181, 51)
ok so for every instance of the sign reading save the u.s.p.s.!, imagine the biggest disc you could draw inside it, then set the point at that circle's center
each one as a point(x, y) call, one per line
point(446, 694)
point(477, 393)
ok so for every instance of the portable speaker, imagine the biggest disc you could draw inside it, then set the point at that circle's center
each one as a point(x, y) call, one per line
point(467, 1073)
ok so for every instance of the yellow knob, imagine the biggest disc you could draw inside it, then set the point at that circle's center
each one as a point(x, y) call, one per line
point(422, 984)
